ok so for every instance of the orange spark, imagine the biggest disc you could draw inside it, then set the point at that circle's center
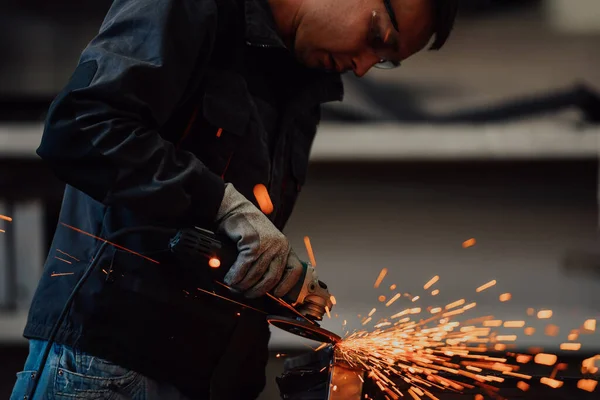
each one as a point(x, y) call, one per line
point(530, 311)
point(431, 282)
point(393, 299)
point(514, 324)
point(485, 286)
point(589, 385)
point(415, 298)
point(551, 330)
point(529, 331)
point(435, 292)
point(382, 275)
point(214, 262)
point(309, 250)
point(505, 297)
point(493, 323)
point(545, 359)
point(372, 312)
point(478, 397)
point(506, 338)
point(2, 231)
point(366, 321)
point(322, 346)
point(381, 298)
point(523, 358)
point(228, 299)
point(5, 218)
point(63, 260)
point(553, 383)
point(111, 243)
point(469, 243)
point(589, 365)
point(333, 300)
point(500, 347)
point(62, 274)
point(523, 386)
point(436, 310)
point(544, 314)
point(393, 287)
point(455, 304)
point(327, 311)
point(570, 346)
point(67, 254)
point(263, 199)
point(590, 325)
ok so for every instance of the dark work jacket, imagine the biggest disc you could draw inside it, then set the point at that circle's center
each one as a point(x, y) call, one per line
point(170, 100)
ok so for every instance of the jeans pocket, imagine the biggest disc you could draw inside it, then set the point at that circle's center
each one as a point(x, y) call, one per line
point(22, 385)
point(83, 376)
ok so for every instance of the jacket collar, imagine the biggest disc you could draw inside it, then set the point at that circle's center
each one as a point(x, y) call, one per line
point(260, 24)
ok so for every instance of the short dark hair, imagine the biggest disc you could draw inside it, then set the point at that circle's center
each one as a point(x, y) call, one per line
point(444, 15)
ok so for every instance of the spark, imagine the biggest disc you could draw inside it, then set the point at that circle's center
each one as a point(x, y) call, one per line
point(469, 243)
point(529, 331)
point(588, 366)
point(381, 298)
point(551, 330)
point(393, 299)
point(545, 359)
point(67, 254)
point(570, 346)
point(514, 324)
point(393, 287)
point(232, 301)
point(553, 383)
point(589, 385)
point(505, 297)
point(382, 275)
point(263, 199)
point(415, 298)
point(111, 243)
point(435, 292)
point(431, 282)
point(506, 338)
point(544, 314)
point(372, 312)
point(5, 218)
point(327, 311)
point(485, 286)
point(62, 274)
point(530, 311)
point(455, 304)
point(309, 250)
point(523, 386)
point(63, 260)
point(590, 325)
point(333, 300)
point(2, 231)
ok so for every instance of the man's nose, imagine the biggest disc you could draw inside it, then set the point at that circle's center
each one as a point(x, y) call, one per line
point(363, 63)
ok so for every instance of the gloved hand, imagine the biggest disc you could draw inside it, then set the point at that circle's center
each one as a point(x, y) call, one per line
point(265, 260)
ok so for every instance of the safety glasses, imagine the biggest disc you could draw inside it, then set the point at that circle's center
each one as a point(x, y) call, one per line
point(384, 38)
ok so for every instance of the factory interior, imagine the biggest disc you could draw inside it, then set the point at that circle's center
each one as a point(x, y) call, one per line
point(467, 179)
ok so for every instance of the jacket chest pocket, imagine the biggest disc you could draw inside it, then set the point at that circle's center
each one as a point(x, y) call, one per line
point(219, 121)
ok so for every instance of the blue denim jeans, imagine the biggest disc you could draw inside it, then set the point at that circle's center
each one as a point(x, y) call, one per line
point(70, 374)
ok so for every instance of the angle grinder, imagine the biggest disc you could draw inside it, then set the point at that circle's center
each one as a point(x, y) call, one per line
point(310, 298)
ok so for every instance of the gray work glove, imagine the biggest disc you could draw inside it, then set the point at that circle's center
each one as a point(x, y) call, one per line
point(265, 260)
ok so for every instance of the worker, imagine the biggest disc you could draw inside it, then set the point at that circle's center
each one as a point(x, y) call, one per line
point(176, 111)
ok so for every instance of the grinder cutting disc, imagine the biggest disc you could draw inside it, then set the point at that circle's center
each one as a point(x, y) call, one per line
point(304, 329)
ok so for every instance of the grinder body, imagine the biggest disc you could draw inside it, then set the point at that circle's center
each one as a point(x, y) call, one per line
point(197, 246)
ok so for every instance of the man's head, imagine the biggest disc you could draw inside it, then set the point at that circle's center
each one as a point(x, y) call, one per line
point(356, 35)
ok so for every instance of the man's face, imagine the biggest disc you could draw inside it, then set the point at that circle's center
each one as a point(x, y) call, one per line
point(354, 35)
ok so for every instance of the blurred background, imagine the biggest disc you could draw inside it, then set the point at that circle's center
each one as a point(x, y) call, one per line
point(494, 139)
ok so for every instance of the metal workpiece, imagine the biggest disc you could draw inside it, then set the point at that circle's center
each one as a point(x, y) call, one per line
point(321, 375)
point(345, 382)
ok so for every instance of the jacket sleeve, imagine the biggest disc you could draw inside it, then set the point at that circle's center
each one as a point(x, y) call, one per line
point(102, 131)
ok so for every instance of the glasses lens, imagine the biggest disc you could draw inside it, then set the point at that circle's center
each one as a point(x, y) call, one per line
point(384, 64)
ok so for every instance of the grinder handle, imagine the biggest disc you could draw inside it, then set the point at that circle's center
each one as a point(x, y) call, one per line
point(198, 245)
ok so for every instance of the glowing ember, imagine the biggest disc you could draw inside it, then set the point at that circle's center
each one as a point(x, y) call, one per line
point(62, 274)
point(393, 287)
point(529, 331)
point(544, 314)
point(545, 359)
point(590, 365)
point(590, 325)
point(530, 311)
point(431, 282)
point(570, 346)
point(393, 299)
point(381, 298)
point(505, 297)
point(263, 199)
point(333, 300)
point(485, 286)
point(309, 250)
point(435, 292)
point(214, 262)
point(589, 385)
point(514, 324)
point(469, 243)
point(523, 386)
point(553, 383)
point(5, 218)
point(415, 298)
point(551, 330)
point(382, 275)
point(2, 231)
